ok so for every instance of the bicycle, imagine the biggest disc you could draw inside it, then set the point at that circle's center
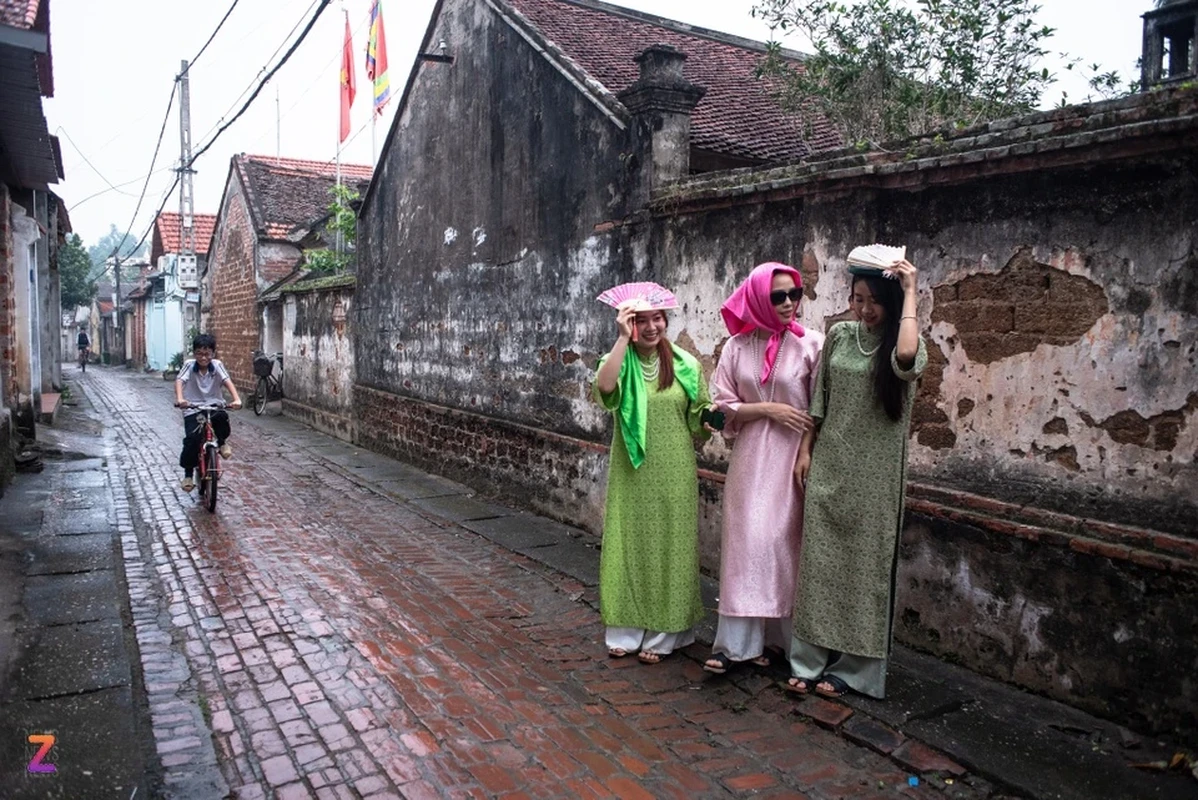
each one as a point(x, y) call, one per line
point(269, 387)
point(84, 354)
point(209, 464)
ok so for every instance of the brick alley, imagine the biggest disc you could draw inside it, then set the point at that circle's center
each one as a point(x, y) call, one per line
point(346, 625)
point(318, 637)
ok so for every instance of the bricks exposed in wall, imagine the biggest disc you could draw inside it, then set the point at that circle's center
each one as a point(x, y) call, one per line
point(488, 452)
point(1025, 305)
point(929, 423)
point(1159, 431)
point(232, 276)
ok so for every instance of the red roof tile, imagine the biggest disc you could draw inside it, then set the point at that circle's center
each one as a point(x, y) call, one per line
point(169, 227)
point(287, 193)
point(18, 13)
point(737, 117)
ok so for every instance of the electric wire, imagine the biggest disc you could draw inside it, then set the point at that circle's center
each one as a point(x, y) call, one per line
point(219, 25)
point(247, 89)
point(95, 169)
point(286, 56)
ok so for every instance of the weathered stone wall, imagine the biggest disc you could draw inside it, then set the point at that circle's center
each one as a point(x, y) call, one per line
point(318, 357)
point(1053, 469)
point(1057, 258)
point(482, 242)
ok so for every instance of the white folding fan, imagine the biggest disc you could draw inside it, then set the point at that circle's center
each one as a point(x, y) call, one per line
point(879, 257)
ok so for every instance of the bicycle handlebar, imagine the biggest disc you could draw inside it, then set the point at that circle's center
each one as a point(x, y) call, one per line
point(206, 406)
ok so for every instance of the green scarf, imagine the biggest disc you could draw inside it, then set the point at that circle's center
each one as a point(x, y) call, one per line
point(634, 397)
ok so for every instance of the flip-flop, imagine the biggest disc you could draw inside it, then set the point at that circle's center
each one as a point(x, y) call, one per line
point(619, 652)
point(724, 663)
point(649, 657)
point(839, 687)
point(798, 685)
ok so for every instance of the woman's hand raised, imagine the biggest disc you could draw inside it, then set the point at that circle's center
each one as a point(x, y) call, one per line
point(906, 273)
point(625, 321)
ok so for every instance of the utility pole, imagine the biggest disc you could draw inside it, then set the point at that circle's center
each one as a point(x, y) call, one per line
point(186, 273)
point(117, 334)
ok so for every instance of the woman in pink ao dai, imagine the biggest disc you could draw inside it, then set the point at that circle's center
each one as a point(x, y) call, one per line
point(763, 384)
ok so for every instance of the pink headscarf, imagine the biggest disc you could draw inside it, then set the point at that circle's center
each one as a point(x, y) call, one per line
point(749, 308)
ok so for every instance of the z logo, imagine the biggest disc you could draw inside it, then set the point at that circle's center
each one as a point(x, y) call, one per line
point(46, 741)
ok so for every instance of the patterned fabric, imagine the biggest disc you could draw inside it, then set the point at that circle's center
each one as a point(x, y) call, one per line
point(855, 494)
point(763, 506)
point(634, 395)
point(649, 565)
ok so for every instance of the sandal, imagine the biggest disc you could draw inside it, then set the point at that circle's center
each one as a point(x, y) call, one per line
point(719, 663)
point(760, 661)
point(619, 652)
point(839, 687)
point(798, 685)
point(649, 657)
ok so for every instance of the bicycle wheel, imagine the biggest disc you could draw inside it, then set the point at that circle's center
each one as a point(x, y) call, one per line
point(83, 363)
point(260, 397)
point(213, 473)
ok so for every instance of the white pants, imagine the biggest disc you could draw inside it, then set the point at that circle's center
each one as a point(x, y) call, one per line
point(632, 640)
point(743, 638)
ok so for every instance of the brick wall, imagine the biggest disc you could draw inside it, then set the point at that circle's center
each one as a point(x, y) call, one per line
point(138, 332)
point(232, 278)
point(8, 372)
point(8, 386)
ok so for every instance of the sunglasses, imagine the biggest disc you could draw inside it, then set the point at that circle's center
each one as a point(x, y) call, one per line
point(779, 297)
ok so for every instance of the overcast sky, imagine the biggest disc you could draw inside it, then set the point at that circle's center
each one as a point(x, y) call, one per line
point(115, 64)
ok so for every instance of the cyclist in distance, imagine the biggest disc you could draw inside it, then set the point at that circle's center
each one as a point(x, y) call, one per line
point(84, 343)
point(200, 383)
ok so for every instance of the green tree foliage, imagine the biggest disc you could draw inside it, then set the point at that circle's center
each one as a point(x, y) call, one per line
point(102, 250)
point(342, 228)
point(884, 70)
point(74, 273)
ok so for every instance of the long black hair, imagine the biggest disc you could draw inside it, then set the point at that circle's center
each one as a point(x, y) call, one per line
point(890, 391)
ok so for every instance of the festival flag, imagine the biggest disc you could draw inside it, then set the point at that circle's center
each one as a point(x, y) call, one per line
point(348, 90)
point(376, 58)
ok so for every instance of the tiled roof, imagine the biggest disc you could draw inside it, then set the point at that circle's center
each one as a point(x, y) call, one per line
point(18, 13)
point(168, 229)
point(736, 117)
point(287, 193)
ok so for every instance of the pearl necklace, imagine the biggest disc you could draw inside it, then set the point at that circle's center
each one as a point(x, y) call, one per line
point(654, 369)
point(757, 355)
point(864, 352)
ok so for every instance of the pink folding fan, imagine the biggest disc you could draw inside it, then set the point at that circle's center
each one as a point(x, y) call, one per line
point(643, 296)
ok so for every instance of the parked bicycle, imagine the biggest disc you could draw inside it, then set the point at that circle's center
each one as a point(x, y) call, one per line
point(269, 387)
point(209, 465)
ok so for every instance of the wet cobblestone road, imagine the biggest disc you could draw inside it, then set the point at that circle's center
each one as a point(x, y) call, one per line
point(316, 638)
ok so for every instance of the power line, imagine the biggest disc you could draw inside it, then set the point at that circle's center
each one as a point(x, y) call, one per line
point(303, 35)
point(268, 60)
point(323, 71)
point(213, 36)
point(158, 144)
point(153, 160)
point(138, 179)
point(95, 169)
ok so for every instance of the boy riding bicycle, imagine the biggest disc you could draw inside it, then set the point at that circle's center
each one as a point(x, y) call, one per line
point(200, 382)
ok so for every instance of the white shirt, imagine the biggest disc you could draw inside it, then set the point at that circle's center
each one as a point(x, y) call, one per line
point(202, 387)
